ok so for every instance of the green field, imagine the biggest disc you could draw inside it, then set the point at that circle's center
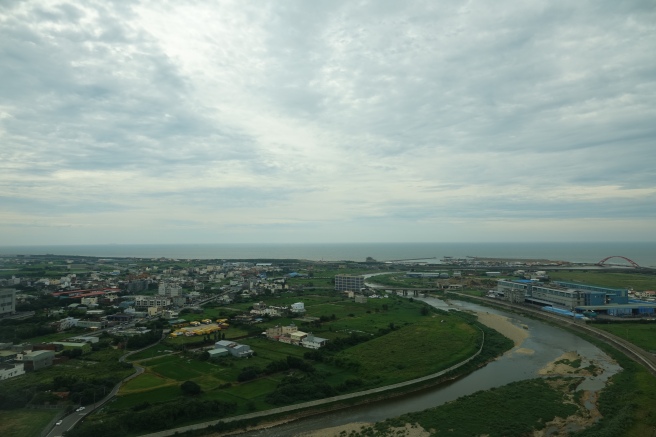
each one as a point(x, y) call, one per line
point(153, 351)
point(640, 334)
point(416, 350)
point(24, 423)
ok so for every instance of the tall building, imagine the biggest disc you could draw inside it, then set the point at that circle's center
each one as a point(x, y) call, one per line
point(169, 289)
point(349, 282)
point(7, 302)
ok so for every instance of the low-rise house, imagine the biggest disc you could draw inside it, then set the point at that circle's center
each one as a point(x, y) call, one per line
point(218, 352)
point(235, 349)
point(313, 342)
point(84, 347)
point(36, 360)
point(298, 308)
point(11, 370)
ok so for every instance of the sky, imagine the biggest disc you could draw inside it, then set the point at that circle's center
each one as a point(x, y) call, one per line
point(327, 121)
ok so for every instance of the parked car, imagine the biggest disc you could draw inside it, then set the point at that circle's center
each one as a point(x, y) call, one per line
point(59, 422)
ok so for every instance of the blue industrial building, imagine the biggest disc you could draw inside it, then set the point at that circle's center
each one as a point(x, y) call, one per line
point(575, 298)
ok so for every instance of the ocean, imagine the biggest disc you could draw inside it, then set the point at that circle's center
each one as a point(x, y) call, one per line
point(642, 253)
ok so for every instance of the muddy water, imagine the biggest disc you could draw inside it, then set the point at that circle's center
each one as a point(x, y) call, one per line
point(544, 345)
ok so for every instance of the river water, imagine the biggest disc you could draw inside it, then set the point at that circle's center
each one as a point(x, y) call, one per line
point(544, 345)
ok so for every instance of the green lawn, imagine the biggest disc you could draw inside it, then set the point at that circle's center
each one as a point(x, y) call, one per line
point(24, 422)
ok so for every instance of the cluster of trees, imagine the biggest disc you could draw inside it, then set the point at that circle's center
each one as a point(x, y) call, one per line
point(143, 340)
point(83, 391)
point(11, 330)
point(293, 389)
point(250, 372)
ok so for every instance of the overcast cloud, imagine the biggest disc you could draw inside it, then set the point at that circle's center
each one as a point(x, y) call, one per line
point(327, 121)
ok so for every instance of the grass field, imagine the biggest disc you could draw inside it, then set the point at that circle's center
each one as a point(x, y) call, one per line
point(416, 350)
point(637, 281)
point(153, 351)
point(640, 334)
point(146, 381)
point(24, 423)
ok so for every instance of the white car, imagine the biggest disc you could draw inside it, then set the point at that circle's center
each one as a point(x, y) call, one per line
point(59, 422)
point(80, 409)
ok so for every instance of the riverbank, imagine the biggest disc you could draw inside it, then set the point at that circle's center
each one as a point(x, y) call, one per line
point(504, 326)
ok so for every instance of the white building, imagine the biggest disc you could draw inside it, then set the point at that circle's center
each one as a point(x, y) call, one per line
point(169, 289)
point(151, 301)
point(11, 370)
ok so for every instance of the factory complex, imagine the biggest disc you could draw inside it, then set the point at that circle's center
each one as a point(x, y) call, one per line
point(574, 298)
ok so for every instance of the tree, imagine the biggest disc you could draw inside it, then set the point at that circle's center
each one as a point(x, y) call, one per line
point(190, 388)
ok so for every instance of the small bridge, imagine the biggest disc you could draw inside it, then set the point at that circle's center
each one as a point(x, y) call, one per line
point(603, 261)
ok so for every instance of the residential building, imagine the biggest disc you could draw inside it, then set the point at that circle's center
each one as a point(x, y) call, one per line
point(169, 289)
point(36, 360)
point(349, 282)
point(313, 342)
point(151, 301)
point(7, 302)
point(11, 370)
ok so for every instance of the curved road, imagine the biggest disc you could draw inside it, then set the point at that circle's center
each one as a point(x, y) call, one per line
point(68, 422)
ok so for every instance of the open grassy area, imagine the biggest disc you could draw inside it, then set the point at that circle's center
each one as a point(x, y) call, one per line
point(637, 281)
point(416, 350)
point(153, 351)
point(24, 422)
point(640, 334)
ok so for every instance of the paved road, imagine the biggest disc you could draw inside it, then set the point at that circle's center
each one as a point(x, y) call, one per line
point(70, 421)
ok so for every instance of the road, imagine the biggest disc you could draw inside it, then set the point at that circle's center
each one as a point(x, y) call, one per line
point(71, 420)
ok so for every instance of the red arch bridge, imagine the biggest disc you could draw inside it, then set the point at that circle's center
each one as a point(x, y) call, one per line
point(603, 261)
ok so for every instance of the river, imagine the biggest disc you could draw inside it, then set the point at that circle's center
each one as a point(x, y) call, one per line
point(544, 344)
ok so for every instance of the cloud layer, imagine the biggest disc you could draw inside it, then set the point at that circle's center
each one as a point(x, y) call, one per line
point(165, 122)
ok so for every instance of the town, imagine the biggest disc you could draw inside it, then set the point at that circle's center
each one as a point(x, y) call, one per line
point(246, 321)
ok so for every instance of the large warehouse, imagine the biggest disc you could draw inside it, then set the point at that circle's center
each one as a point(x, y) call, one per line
point(576, 297)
